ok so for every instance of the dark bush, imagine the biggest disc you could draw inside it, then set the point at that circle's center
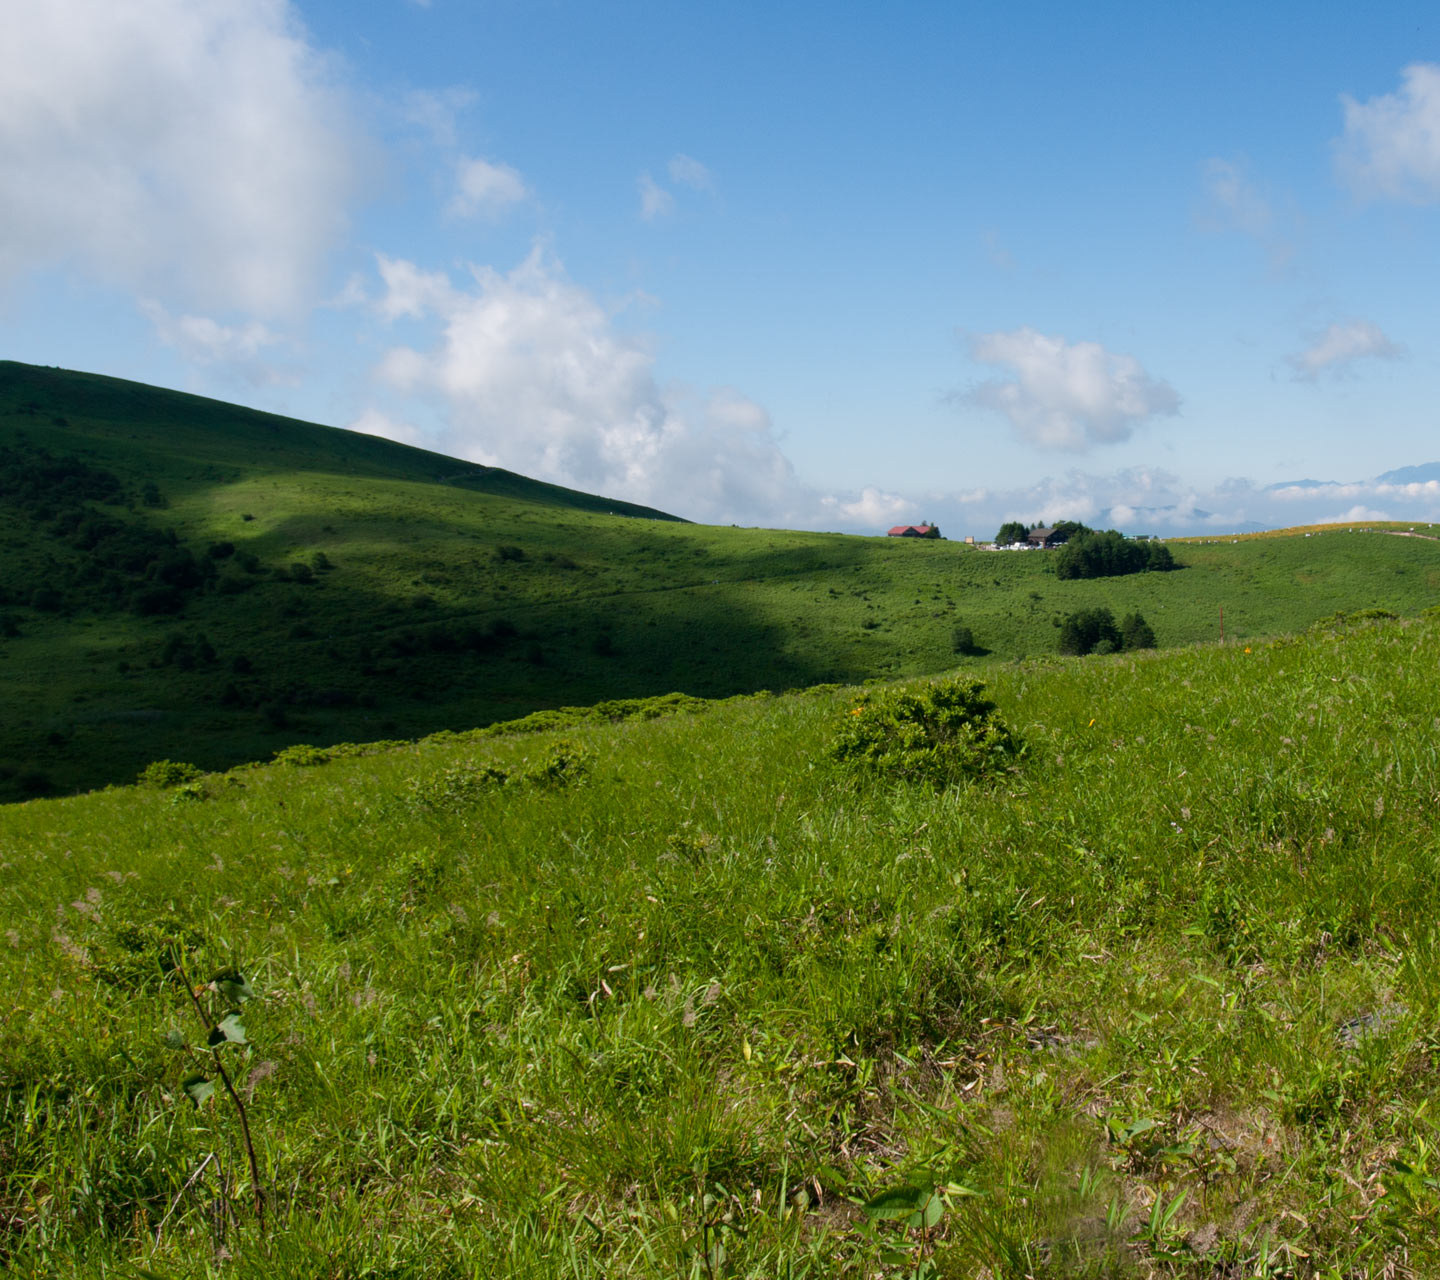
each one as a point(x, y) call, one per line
point(220, 550)
point(508, 552)
point(1136, 633)
point(1086, 630)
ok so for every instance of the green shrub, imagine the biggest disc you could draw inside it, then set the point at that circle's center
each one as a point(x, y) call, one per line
point(1089, 631)
point(169, 773)
point(566, 765)
point(454, 788)
point(302, 754)
point(1136, 633)
point(939, 734)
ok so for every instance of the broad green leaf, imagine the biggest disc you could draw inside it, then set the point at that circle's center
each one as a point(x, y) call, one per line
point(894, 1258)
point(174, 1039)
point(928, 1214)
point(197, 1088)
point(229, 1030)
point(954, 1189)
point(233, 985)
point(900, 1202)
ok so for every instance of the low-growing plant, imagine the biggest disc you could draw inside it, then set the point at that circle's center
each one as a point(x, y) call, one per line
point(939, 734)
point(455, 788)
point(169, 773)
point(566, 764)
point(221, 1031)
point(302, 755)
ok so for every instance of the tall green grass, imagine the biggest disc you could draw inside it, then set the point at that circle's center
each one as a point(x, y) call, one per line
point(1162, 996)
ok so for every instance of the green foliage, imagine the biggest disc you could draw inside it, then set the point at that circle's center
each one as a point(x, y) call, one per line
point(302, 755)
point(455, 788)
point(1011, 531)
point(566, 764)
point(1110, 554)
point(938, 734)
point(1136, 633)
point(1089, 631)
point(168, 773)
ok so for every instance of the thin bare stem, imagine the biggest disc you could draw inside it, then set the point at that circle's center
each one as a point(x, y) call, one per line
point(234, 1097)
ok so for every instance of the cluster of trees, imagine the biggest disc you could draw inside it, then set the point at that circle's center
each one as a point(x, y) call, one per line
point(1014, 531)
point(1086, 553)
point(1110, 555)
point(1095, 631)
point(87, 551)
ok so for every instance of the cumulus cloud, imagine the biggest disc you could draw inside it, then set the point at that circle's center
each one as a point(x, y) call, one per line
point(201, 340)
point(196, 149)
point(1066, 395)
point(532, 373)
point(689, 172)
point(372, 422)
point(870, 508)
point(1391, 144)
point(655, 201)
point(1340, 346)
point(410, 292)
point(484, 188)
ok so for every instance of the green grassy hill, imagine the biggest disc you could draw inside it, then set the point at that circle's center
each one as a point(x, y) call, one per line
point(683, 997)
point(187, 579)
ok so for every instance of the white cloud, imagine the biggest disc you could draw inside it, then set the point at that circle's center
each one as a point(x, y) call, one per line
point(531, 373)
point(1416, 491)
point(1391, 144)
point(1067, 395)
point(185, 148)
point(1234, 198)
point(410, 292)
point(1356, 515)
point(1340, 346)
point(375, 423)
point(205, 341)
point(872, 508)
point(655, 201)
point(689, 172)
point(484, 188)
point(434, 110)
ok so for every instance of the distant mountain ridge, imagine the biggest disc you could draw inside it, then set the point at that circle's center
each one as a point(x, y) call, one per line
point(1424, 473)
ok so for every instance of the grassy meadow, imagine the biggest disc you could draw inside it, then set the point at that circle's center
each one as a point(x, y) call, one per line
point(681, 996)
point(355, 589)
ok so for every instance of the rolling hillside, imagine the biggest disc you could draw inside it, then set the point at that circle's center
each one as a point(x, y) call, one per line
point(685, 996)
point(187, 579)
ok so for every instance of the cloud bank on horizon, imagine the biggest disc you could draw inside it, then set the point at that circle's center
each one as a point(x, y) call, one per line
point(443, 228)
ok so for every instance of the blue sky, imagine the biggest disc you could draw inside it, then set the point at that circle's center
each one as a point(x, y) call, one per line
point(802, 265)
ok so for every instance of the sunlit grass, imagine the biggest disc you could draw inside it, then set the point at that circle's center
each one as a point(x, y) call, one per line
point(717, 989)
